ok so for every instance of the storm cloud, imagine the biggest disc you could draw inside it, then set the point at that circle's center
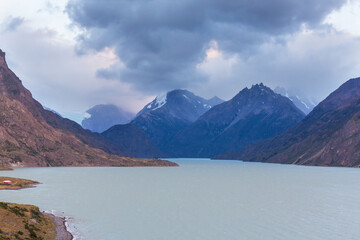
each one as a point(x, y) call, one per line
point(160, 43)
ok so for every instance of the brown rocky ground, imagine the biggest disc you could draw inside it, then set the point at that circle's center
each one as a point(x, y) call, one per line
point(20, 221)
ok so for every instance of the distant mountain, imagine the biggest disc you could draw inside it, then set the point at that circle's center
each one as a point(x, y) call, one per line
point(328, 136)
point(303, 103)
point(215, 101)
point(32, 136)
point(251, 116)
point(102, 117)
point(168, 114)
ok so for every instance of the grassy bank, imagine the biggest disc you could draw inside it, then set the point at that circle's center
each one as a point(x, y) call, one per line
point(25, 222)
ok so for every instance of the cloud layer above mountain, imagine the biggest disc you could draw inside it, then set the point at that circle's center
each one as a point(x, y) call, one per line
point(161, 43)
point(74, 54)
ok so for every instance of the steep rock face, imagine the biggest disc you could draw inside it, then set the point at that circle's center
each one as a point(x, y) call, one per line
point(252, 115)
point(104, 116)
point(168, 114)
point(328, 136)
point(33, 136)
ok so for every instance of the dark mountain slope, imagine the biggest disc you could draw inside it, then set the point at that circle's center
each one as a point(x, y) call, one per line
point(166, 115)
point(133, 141)
point(328, 136)
point(252, 115)
point(106, 142)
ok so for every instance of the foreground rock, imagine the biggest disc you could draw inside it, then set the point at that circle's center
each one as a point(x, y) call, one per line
point(20, 221)
point(32, 136)
point(328, 136)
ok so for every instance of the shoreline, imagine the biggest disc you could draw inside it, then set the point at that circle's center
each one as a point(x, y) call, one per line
point(62, 232)
point(16, 183)
point(6, 169)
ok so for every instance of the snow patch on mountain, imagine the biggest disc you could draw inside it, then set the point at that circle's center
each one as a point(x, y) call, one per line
point(304, 103)
point(87, 115)
point(160, 101)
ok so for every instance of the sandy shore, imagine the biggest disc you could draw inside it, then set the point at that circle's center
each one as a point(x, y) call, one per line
point(62, 232)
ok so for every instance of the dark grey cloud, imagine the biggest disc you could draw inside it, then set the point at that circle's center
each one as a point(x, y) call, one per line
point(160, 42)
point(12, 23)
point(311, 65)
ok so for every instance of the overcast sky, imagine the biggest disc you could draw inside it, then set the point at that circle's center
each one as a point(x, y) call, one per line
point(75, 54)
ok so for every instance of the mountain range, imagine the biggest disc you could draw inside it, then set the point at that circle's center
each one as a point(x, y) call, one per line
point(252, 115)
point(255, 125)
point(181, 124)
point(33, 136)
point(328, 136)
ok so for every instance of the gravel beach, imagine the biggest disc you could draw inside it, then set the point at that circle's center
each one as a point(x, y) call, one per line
point(62, 232)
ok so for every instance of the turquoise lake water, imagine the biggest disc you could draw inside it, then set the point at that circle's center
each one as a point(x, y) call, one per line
point(201, 199)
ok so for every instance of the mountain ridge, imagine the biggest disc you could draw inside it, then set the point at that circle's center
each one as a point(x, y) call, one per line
point(166, 115)
point(252, 115)
point(328, 136)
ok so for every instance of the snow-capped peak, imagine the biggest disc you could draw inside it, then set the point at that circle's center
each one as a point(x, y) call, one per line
point(160, 101)
point(302, 102)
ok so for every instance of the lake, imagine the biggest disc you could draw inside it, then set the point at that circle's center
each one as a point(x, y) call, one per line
point(202, 199)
